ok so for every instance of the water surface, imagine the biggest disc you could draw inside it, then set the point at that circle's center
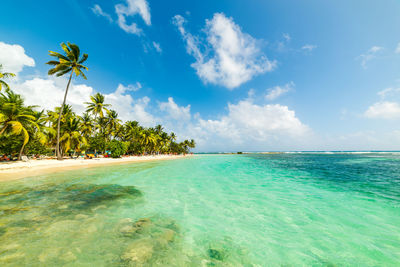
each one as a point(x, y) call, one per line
point(209, 210)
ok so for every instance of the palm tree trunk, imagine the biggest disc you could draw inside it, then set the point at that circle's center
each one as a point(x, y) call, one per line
point(59, 157)
point(21, 151)
point(95, 117)
point(4, 128)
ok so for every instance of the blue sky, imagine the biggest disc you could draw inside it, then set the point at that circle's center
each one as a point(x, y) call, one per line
point(234, 75)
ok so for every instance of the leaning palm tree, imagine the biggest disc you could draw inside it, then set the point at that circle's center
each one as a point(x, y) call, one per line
point(71, 63)
point(15, 118)
point(4, 75)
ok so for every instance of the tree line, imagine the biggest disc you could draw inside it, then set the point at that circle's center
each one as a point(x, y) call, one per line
point(25, 130)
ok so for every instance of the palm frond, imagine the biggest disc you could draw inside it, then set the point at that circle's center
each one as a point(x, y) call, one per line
point(75, 50)
point(25, 134)
point(58, 55)
point(16, 127)
point(83, 59)
point(61, 73)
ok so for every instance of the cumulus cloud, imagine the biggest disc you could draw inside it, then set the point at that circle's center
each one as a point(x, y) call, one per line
point(130, 9)
point(174, 111)
point(13, 58)
point(383, 110)
point(99, 12)
point(308, 47)
point(250, 125)
point(49, 93)
point(129, 108)
point(369, 55)
point(229, 57)
point(275, 92)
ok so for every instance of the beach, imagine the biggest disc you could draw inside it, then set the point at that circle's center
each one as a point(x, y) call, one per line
point(18, 169)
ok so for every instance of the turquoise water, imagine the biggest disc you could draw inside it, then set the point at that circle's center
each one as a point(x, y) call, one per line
point(208, 210)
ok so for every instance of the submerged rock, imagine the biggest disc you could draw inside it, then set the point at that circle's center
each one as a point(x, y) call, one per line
point(139, 252)
point(64, 199)
point(151, 240)
point(128, 228)
point(215, 254)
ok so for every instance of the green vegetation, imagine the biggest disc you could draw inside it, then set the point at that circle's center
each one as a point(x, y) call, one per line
point(4, 75)
point(68, 63)
point(117, 148)
point(61, 132)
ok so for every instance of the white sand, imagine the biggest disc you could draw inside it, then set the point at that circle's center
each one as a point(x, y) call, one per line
point(18, 169)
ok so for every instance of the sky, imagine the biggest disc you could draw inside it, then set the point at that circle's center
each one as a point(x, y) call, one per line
point(234, 75)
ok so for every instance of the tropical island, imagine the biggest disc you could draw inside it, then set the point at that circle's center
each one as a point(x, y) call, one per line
point(61, 133)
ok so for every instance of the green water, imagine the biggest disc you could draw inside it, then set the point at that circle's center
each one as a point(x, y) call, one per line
point(208, 210)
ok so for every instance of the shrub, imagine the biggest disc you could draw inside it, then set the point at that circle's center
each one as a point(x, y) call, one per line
point(117, 148)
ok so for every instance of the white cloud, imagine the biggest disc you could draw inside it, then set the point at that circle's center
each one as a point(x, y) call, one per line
point(230, 57)
point(99, 12)
point(130, 87)
point(287, 37)
point(397, 51)
point(129, 108)
point(49, 93)
point(369, 55)
point(174, 111)
point(157, 47)
point(251, 126)
point(130, 9)
point(13, 58)
point(388, 92)
point(383, 110)
point(282, 44)
point(275, 92)
point(308, 47)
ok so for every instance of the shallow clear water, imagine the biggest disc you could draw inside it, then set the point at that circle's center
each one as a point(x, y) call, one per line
point(208, 210)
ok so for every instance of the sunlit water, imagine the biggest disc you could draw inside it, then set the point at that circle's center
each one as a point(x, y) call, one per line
point(208, 210)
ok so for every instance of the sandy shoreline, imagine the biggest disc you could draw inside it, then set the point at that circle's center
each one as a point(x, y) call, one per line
point(16, 170)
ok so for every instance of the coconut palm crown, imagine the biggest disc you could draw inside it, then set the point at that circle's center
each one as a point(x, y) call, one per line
point(4, 75)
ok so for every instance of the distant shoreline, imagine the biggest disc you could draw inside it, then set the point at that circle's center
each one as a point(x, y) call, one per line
point(17, 169)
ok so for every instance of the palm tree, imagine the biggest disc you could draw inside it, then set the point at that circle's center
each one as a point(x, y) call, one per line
point(113, 122)
point(4, 75)
point(71, 63)
point(97, 106)
point(158, 129)
point(15, 118)
point(72, 138)
point(172, 136)
point(86, 125)
point(148, 140)
point(43, 133)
